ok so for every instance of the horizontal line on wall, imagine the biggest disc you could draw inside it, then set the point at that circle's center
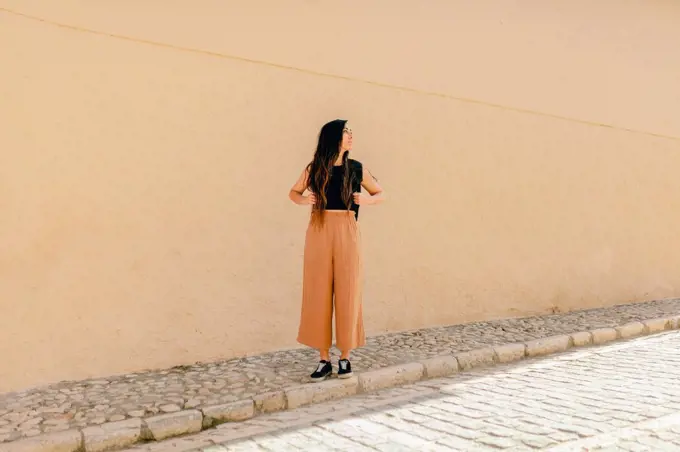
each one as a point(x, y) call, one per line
point(328, 75)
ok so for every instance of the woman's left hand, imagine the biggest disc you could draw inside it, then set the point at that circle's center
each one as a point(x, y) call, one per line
point(361, 199)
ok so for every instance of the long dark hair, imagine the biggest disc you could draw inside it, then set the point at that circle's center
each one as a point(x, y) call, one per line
point(321, 167)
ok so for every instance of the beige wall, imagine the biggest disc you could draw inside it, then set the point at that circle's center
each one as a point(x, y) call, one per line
point(143, 188)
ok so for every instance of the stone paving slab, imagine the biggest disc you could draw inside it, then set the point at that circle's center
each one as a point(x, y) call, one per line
point(241, 388)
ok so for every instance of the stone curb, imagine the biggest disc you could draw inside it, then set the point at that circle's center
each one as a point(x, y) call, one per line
point(114, 435)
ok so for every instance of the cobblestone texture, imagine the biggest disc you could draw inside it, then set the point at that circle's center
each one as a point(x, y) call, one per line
point(622, 396)
point(93, 402)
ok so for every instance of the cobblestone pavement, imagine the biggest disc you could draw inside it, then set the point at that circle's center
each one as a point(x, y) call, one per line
point(622, 397)
point(82, 403)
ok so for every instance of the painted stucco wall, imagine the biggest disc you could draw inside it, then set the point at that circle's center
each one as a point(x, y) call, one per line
point(529, 151)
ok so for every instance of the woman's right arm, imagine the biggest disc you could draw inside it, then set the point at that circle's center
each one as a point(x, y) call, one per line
point(296, 193)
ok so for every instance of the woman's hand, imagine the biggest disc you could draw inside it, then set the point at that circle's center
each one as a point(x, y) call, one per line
point(375, 191)
point(362, 199)
point(310, 199)
point(296, 192)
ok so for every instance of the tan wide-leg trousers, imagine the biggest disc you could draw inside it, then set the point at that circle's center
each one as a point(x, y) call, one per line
point(332, 267)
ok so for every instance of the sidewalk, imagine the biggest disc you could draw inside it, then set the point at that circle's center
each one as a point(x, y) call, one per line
point(75, 405)
point(614, 397)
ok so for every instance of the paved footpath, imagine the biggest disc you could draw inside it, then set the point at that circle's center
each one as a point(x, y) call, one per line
point(80, 404)
point(624, 396)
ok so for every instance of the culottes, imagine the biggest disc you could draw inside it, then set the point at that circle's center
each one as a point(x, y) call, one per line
point(332, 279)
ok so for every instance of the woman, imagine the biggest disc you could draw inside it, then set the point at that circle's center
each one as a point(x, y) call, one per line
point(332, 262)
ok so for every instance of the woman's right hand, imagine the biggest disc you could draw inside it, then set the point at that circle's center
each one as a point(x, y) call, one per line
point(311, 199)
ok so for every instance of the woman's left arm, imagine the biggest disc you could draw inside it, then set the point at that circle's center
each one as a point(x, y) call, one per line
point(375, 191)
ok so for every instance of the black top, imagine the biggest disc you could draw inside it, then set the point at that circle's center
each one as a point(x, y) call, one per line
point(334, 189)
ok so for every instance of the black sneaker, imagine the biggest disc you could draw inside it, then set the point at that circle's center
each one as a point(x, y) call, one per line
point(323, 371)
point(344, 368)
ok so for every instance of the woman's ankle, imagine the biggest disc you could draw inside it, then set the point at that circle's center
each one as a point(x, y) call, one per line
point(324, 355)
